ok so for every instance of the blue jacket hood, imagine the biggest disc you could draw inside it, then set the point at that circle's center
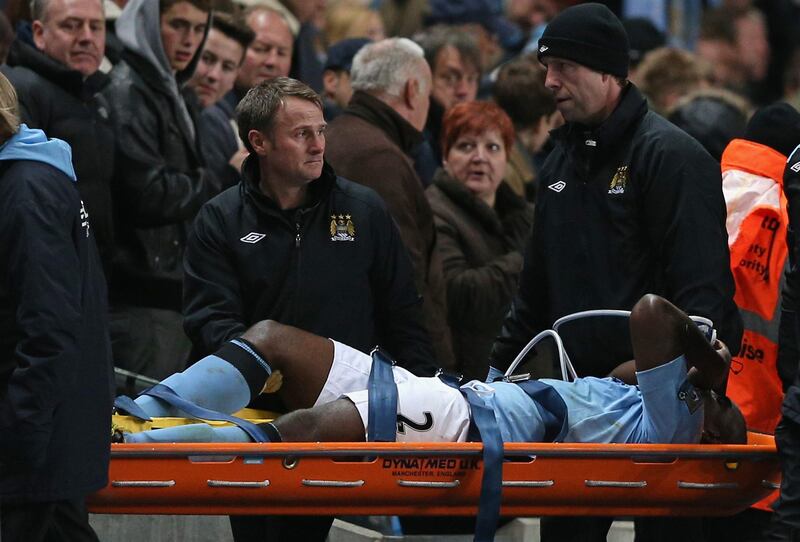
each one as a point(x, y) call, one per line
point(32, 144)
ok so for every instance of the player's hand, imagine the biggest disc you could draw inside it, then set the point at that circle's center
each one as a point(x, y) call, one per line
point(722, 350)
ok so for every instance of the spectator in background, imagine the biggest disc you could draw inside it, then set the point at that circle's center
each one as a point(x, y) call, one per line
point(455, 64)
point(270, 53)
point(347, 19)
point(216, 73)
point(160, 180)
point(644, 37)
point(714, 117)
point(481, 229)
point(55, 359)
point(336, 77)
point(520, 91)
point(6, 37)
point(403, 18)
point(308, 45)
point(752, 181)
point(59, 84)
point(370, 144)
point(716, 45)
point(734, 42)
point(666, 75)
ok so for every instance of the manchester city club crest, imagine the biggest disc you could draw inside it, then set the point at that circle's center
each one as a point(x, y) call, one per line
point(342, 228)
point(618, 182)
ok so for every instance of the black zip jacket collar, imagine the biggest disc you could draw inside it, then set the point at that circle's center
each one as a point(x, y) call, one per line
point(318, 190)
point(597, 145)
point(22, 54)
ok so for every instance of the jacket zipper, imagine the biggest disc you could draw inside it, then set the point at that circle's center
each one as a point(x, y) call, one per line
point(297, 236)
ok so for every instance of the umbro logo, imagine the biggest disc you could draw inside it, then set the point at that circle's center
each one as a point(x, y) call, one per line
point(557, 187)
point(543, 48)
point(253, 237)
point(796, 167)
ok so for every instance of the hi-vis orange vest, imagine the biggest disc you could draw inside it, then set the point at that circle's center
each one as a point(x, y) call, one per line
point(752, 181)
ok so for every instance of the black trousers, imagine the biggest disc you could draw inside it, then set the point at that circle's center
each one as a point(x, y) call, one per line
point(786, 519)
point(56, 521)
point(595, 529)
point(279, 528)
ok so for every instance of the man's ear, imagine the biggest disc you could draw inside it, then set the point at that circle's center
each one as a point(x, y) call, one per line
point(37, 29)
point(410, 92)
point(259, 141)
point(330, 82)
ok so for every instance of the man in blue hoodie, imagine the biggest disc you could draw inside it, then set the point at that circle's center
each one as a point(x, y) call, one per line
point(55, 362)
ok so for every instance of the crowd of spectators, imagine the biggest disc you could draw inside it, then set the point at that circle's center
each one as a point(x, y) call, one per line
point(445, 112)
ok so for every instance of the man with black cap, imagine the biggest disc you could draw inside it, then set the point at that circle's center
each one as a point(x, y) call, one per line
point(629, 204)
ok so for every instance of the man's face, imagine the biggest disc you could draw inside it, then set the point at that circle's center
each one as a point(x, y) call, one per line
point(270, 54)
point(337, 86)
point(218, 67)
point(581, 93)
point(73, 32)
point(454, 80)
point(294, 149)
point(752, 46)
point(182, 29)
point(422, 99)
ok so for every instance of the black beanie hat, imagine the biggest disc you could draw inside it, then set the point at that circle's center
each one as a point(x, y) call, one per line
point(776, 126)
point(589, 34)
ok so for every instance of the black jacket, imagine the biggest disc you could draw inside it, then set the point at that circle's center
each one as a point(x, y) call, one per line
point(55, 360)
point(634, 206)
point(789, 334)
point(160, 186)
point(218, 141)
point(248, 260)
point(59, 101)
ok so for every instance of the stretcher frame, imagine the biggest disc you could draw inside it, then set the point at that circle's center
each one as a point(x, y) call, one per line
point(437, 479)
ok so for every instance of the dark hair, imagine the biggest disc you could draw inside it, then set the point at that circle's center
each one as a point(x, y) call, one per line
point(520, 91)
point(202, 5)
point(437, 38)
point(234, 28)
point(718, 24)
point(475, 117)
point(257, 109)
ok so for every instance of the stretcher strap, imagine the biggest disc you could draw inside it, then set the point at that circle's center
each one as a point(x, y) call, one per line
point(551, 406)
point(492, 481)
point(382, 408)
point(166, 394)
point(123, 402)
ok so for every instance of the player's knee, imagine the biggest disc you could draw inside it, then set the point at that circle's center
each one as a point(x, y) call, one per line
point(263, 334)
point(650, 310)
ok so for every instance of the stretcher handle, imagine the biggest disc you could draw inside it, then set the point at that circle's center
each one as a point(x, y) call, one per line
point(533, 342)
point(142, 483)
point(529, 483)
point(227, 483)
point(707, 485)
point(333, 483)
point(416, 483)
point(615, 483)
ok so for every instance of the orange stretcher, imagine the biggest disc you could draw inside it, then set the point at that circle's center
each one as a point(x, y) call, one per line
point(437, 479)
